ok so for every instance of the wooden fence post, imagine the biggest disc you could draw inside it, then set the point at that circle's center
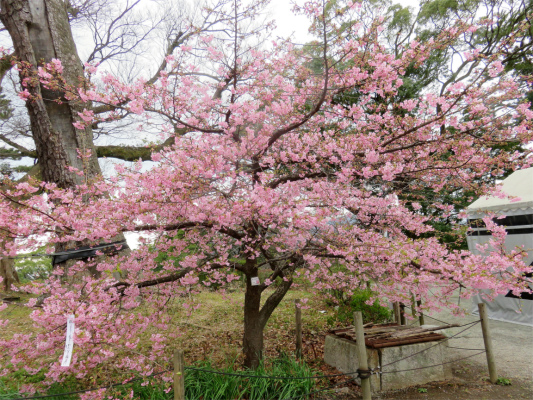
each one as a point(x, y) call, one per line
point(298, 314)
point(179, 375)
point(397, 317)
point(421, 318)
point(413, 306)
point(483, 317)
point(361, 350)
point(402, 314)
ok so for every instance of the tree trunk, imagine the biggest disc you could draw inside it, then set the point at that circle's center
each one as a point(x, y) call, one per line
point(8, 273)
point(256, 317)
point(253, 326)
point(40, 31)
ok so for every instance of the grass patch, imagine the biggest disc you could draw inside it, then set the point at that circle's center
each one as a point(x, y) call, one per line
point(9, 389)
point(6, 392)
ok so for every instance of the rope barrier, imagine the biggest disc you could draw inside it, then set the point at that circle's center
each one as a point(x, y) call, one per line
point(276, 377)
point(431, 366)
point(359, 373)
point(318, 391)
point(371, 371)
point(196, 369)
point(438, 343)
point(462, 348)
point(427, 316)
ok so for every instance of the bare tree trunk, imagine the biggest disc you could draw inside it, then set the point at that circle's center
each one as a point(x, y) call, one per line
point(40, 31)
point(252, 342)
point(256, 318)
point(8, 273)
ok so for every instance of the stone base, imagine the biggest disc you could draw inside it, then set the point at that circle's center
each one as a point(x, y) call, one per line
point(342, 354)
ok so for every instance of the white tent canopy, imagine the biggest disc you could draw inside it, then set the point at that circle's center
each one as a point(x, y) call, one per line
point(518, 185)
point(518, 212)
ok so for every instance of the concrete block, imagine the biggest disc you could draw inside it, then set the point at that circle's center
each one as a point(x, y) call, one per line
point(342, 354)
point(420, 356)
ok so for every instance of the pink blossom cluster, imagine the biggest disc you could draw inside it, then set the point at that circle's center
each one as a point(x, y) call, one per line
point(273, 173)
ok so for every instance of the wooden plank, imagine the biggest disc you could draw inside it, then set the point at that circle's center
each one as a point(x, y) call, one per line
point(390, 343)
point(423, 335)
point(388, 335)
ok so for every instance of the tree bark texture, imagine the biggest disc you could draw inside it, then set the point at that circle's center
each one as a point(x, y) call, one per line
point(8, 273)
point(256, 317)
point(253, 326)
point(40, 31)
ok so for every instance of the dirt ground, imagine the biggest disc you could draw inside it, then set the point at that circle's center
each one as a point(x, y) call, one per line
point(513, 348)
point(469, 383)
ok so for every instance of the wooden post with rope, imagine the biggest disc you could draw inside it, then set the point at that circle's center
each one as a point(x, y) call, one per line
point(179, 375)
point(361, 350)
point(298, 315)
point(484, 318)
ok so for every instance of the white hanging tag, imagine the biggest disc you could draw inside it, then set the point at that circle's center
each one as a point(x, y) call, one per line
point(255, 281)
point(69, 342)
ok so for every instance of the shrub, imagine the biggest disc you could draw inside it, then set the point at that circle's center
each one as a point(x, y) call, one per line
point(375, 312)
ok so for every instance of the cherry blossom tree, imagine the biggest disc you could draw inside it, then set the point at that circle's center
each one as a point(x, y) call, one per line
point(273, 175)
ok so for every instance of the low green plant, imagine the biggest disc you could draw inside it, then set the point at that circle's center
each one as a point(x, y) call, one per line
point(7, 392)
point(374, 312)
point(503, 381)
point(422, 390)
point(155, 389)
point(202, 384)
point(208, 385)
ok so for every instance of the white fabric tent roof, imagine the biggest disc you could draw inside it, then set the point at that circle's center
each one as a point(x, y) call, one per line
point(518, 184)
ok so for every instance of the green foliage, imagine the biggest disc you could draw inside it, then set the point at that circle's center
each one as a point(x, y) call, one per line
point(503, 381)
point(9, 385)
point(6, 111)
point(175, 259)
point(33, 268)
point(422, 390)
point(165, 257)
point(153, 390)
point(375, 312)
point(7, 392)
point(438, 9)
point(203, 385)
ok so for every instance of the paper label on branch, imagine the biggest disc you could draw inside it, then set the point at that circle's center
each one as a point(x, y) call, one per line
point(69, 342)
point(255, 281)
